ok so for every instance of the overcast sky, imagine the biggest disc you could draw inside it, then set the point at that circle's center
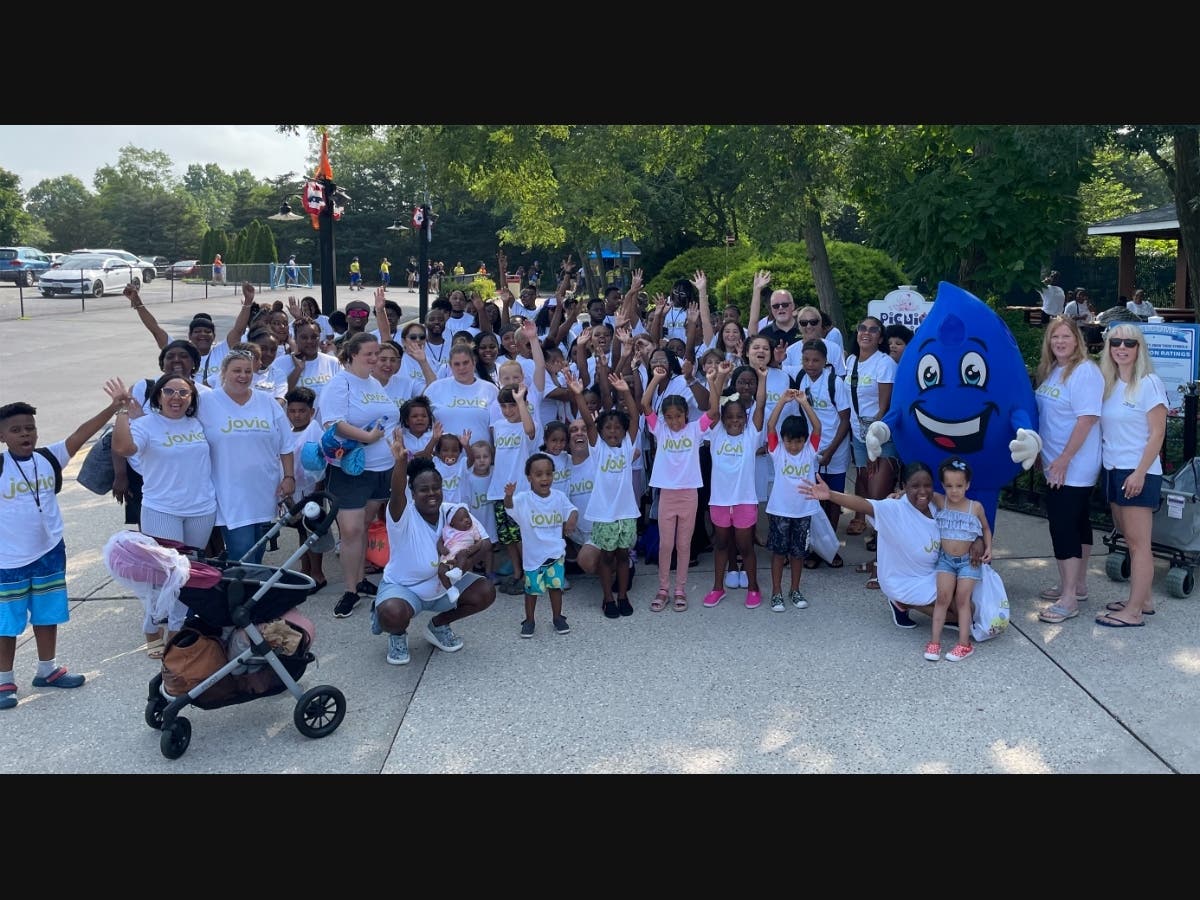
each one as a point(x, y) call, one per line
point(37, 152)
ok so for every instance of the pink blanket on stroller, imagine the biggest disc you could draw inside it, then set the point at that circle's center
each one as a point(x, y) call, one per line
point(155, 574)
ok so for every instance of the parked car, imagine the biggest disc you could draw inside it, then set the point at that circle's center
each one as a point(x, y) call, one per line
point(55, 258)
point(161, 264)
point(89, 273)
point(184, 268)
point(147, 266)
point(22, 265)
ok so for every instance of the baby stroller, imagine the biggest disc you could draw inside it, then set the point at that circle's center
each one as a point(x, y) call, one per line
point(247, 596)
point(1174, 532)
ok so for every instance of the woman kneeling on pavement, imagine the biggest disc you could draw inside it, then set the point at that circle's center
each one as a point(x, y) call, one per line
point(411, 581)
point(908, 541)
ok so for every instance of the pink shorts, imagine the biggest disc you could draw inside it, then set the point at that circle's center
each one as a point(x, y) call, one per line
point(742, 515)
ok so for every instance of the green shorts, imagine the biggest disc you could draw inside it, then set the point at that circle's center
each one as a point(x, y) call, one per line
point(618, 535)
point(507, 531)
point(544, 578)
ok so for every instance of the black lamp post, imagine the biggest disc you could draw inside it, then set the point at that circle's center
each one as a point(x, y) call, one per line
point(333, 194)
point(422, 220)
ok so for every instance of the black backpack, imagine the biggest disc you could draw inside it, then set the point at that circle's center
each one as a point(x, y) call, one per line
point(53, 464)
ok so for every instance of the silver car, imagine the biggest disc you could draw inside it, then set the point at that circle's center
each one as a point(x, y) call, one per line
point(147, 266)
point(91, 274)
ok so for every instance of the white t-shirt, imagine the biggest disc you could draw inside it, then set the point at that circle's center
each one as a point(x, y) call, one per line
point(306, 480)
point(413, 554)
point(1053, 299)
point(1124, 430)
point(778, 381)
point(829, 410)
point(834, 354)
point(454, 479)
point(541, 520)
point(409, 378)
point(481, 507)
point(579, 491)
point(733, 465)
point(209, 373)
point(415, 443)
point(1078, 312)
point(512, 448)
point(677, 385)
point(562, 471)
point(908, 545)
point(677, 459)
point(453, 326)
point(245, 442)
point(27, 534)
point(265, 381)
point(317, 372)
point(612, 496)
point(551, 410)
point(1059, 406)
point(462, 406)
point(878, 369)
point(675, 323)
point(1144, 309)
point(786, 499)
point(437, 355)
point(174, 462)
point(361, 402)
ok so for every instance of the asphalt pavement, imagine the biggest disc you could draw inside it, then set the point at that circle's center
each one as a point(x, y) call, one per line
point(835, 688)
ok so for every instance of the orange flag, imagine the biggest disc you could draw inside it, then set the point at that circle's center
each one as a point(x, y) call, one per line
point(324, 170)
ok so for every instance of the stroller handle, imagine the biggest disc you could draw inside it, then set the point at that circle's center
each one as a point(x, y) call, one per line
point(320, 526)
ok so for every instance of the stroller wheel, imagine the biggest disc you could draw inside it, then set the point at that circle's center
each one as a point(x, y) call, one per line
point(320, 711)
point(154, 712)
point(1116, 567)
point(175, 739)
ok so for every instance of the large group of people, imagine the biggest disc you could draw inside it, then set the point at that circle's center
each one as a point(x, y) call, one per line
point(508, 445)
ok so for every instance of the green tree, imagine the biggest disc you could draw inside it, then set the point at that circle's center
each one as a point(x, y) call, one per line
point(984, 206)
point(17, 226)
point(68, 210)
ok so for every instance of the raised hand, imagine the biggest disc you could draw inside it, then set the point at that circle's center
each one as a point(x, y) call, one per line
point(700, 280)
point(380, 297)
point(438, 429)
point(465, 437)
point(660, 373)
point(818, 489)
point(529, 329)
point(687, 368)
point(724, 367)
point(510, 488)
point(693, 313)
point(618, 383)
point(399, 451)
point(761, 279)
point(247, 293)
point(519, 392)
point(115, 388)
point(635, 281)
point(293, 308)
point(575, 384)
point(130, 290)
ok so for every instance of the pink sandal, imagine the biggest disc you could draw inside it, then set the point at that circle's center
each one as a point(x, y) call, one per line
point(659, 603)
point(680, 601)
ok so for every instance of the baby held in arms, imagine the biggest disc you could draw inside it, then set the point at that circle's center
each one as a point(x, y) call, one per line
point(461, 532)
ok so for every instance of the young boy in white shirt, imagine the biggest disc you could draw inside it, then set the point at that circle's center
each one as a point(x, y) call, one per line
point(301, 409)
point(33, 555)
point(545, 517)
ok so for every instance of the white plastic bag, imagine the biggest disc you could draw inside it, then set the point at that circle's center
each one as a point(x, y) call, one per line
point(989, 600)
point(822, 539)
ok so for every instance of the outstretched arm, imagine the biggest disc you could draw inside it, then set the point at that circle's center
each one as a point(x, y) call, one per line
point(761, 279)
point(819, 490)
point(243, 316)
point(398, 501)
point(146, 317)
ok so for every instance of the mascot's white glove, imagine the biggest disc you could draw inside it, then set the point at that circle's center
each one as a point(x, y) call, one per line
point(1025, 448)
point(877, 435)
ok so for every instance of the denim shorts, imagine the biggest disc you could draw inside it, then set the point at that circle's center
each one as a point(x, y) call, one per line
point(439, 604)
point(959, 566)
point(858, 450)
point(1114, 481)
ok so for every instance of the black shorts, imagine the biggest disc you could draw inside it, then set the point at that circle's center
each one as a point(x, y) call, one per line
point(787, 536)
point(353, 491)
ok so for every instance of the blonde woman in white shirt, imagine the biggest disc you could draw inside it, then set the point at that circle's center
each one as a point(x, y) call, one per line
point(1070, 390)
point(1133, 422)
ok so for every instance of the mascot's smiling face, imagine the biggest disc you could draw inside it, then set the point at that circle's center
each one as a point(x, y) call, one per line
point(957, 378)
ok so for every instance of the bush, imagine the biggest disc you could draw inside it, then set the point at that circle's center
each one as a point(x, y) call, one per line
point(710, 259)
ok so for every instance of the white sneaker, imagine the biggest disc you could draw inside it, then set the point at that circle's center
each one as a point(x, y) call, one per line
point(743, 579)
point(731, 579)
point(397, 654)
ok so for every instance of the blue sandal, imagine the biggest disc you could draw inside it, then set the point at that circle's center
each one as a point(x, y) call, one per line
point(59, 678)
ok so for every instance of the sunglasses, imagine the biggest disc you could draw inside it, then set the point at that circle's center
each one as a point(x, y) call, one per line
point(181, 393)
point(358, 314)
point(1126, 342)
point(781, 306)
point(869, 329)
point(416, 337)
point(808, 323)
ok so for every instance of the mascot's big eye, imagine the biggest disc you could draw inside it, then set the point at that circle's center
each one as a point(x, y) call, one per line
point(974, 370)
point(929, 372)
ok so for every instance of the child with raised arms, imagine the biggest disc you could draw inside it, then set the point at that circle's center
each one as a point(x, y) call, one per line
point(793, 453)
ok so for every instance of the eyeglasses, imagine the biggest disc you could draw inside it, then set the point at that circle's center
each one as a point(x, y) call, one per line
point(869, 329)
point(416, 337)
point(1126, 342)
point(808, 323)
point(181, 393)
point(781, 306)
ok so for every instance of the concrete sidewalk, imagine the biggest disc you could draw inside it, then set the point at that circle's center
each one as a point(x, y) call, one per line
point(835, 688)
